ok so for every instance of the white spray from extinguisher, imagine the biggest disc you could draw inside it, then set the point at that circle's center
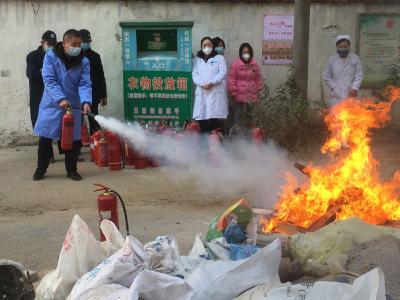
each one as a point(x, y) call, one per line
point(257, 174)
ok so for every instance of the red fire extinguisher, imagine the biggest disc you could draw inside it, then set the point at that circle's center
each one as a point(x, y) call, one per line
point(258, 135)
point(114, 152)
point(102, 152)
point(96, 137)
point(141, 161)
point(67, 130)
point(129, 155)
point(107, 205)
point(92, 151)
point(85, 134)
point(192, 127)
point(192, 131)
point(161, 127)
point(122, 151)
point(214, 144)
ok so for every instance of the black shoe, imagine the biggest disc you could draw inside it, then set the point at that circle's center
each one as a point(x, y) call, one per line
point(39, 175)
point(74, 176)
point(80, 159)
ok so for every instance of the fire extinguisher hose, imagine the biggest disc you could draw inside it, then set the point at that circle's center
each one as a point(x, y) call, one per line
point(123, 208)
point(92, 115)
point(107, 189)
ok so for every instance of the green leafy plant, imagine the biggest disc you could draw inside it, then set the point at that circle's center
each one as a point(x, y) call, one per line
point(287, 115)
point(393, 80)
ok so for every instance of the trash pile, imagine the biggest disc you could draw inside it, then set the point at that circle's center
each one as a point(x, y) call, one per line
point(149, 271)
point(232, 262)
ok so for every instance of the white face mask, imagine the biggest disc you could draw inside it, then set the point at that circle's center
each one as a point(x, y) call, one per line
point(207, 50)
point(246, 56)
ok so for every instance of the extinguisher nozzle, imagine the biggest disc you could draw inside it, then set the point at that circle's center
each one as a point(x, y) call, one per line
point(90, 114)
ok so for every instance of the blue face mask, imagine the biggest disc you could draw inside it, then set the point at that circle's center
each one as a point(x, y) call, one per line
point(47, 48)
point(74, 51)
point(85, 46)
point(343, 53)
point(220, 50)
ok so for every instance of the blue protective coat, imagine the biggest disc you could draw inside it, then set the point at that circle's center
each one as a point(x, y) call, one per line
point(73, 85)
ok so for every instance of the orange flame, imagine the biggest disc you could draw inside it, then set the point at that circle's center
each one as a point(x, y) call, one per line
point(352, 181)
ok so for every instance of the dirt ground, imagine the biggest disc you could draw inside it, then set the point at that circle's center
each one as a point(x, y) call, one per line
point(34, 216)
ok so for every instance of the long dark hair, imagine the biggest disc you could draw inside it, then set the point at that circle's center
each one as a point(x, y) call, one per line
point(216, 41)
point(201, 54)
point(246, 45)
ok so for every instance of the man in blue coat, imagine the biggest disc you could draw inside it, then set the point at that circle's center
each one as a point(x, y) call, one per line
point(66, 77)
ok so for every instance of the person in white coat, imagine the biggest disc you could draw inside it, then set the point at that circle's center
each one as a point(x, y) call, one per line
point(344, 72)
point(209, 76)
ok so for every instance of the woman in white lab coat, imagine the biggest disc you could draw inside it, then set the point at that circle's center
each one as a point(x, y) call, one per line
point(209, 74)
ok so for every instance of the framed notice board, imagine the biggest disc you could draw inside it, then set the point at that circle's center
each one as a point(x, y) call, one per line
point(379, 47)
point(157, 71)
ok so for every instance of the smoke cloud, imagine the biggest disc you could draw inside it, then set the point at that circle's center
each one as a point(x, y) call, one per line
point(242, 168)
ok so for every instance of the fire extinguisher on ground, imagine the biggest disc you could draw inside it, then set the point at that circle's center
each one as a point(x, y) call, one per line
point(258, 136)
point(85, 133)
point(67, 130)
point(192, 126)
point(107, 205)
point(102, 151)
point(92, 149)
point(96, 137)
point(214, 147)
point(129, 155)
point(114, 152)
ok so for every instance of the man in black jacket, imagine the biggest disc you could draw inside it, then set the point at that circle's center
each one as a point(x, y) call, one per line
point(99, 88)
point(34, 63)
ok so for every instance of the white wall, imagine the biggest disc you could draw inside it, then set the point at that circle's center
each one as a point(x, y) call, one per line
point(21, 31)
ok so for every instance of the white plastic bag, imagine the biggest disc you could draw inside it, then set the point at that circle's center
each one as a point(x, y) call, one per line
point(225, 280)
point(198, 249)
point(114, 239)
point(370, 286)
point(162, 253)
point(220, 248)
point(106, 292)
point(216, 249)
point(121, 268)
point(152, 285)
point(187, 265)
point(80, 253)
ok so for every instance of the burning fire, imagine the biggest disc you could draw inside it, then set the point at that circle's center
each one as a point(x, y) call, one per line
point(351, 184)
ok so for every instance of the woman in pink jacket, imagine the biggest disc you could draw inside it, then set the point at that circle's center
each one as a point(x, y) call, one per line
point(244, 82)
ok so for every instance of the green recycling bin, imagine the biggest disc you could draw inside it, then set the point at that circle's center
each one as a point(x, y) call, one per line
point(157, 71)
